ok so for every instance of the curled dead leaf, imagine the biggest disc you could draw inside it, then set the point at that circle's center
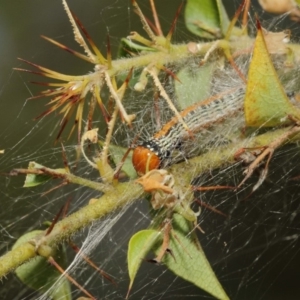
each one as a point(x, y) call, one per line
point(277, 41)
point(156, 180)
point(91, 135)
point(161, 185)
point(281, 7)
point(278, 6)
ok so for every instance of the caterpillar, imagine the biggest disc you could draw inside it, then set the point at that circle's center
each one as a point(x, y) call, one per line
point(156, 152)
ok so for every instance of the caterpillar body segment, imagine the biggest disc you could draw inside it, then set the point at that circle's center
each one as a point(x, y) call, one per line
point(145, 159)
point(158, 151)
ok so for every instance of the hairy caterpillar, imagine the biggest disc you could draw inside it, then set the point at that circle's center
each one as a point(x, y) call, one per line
point(157, 151)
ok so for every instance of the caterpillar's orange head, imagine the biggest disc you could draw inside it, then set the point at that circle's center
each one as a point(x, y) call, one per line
point(144, 160)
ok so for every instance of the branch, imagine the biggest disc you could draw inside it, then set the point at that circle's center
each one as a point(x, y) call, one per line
point(122, 194)
point(224, 156)
point(62, 174)
point(126, 193)
point(181, 52)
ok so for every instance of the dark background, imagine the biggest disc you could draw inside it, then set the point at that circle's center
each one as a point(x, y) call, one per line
point(261, 260)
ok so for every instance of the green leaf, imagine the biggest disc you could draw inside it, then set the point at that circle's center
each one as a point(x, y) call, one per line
point(189, 261)
point(206, 18)
point(117, 153)
point(128, 47)
point(194, 86)
point(223, 17)
point(39, 275)
point(139, 246)
point(266, 103)
point(32, 180)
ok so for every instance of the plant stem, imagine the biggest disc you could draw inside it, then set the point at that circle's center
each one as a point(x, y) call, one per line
point(126, 193)
point(123, 194)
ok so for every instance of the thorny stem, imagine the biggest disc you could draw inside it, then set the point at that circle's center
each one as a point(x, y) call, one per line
point(70, 178)
point(128, 118)
point(91, 263)
point(166, 240)
point(156, 19)
point(153, 72)
point(111, 124)
point(73, 281)
point(122, 194)
point(269, 151)
point(126, 193)
point(224, 156)
point(177, 53)
point(144, 21)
